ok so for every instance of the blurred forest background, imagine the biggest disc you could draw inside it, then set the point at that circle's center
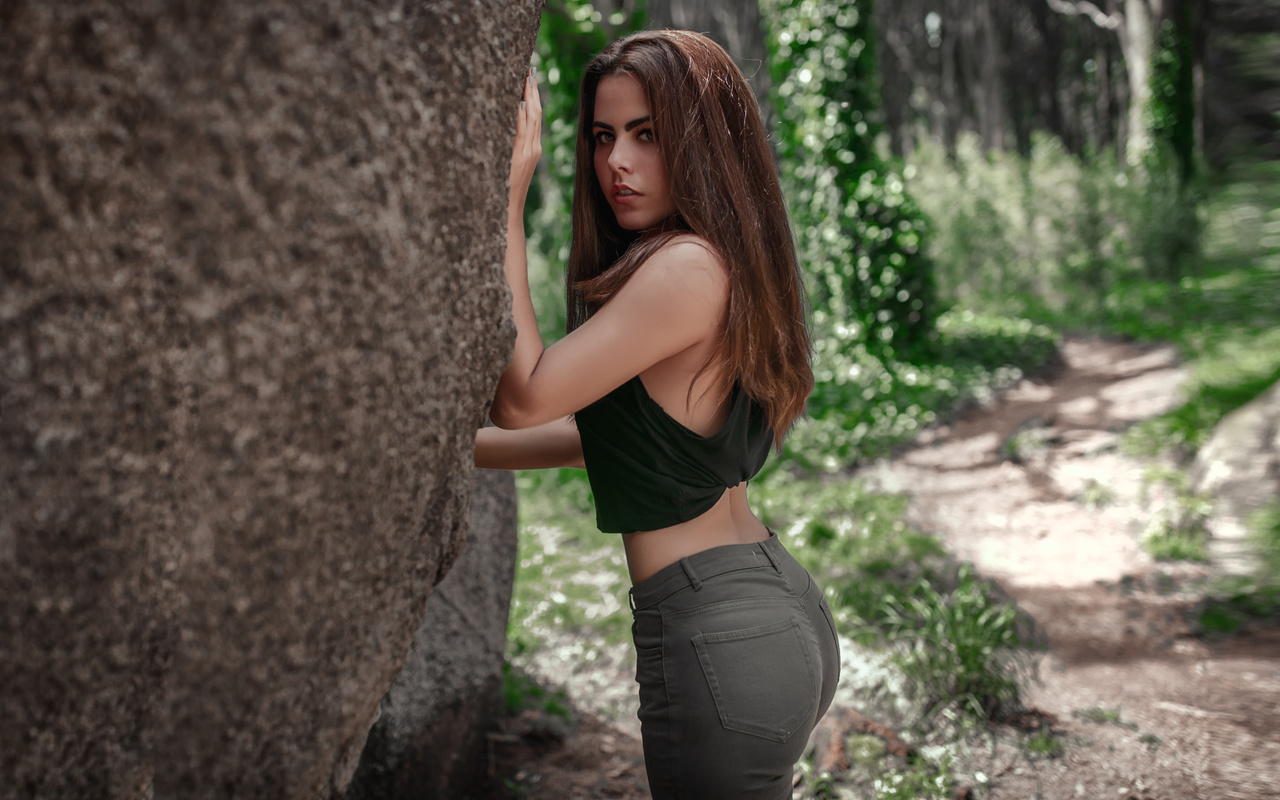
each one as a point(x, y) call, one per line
point(969, 181)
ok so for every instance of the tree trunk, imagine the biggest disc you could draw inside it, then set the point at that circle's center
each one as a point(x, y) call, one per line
point(251, 315)
point(951, 108)
point(990, 83)
point(1137, 40)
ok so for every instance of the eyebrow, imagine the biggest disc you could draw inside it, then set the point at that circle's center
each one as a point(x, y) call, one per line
point(633, 123)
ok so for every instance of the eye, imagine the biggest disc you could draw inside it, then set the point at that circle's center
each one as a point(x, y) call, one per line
point(603, 137)
point(645, 135)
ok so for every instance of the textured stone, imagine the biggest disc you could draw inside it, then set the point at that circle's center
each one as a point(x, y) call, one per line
point(251, 311)
point(1239, 467)
point(429, 740)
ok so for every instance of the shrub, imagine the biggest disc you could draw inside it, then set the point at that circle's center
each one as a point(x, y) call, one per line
point(960, 646)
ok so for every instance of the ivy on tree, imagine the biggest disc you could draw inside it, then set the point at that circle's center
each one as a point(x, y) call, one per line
point(859, 233)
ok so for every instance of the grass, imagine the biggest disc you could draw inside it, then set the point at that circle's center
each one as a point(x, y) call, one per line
point(569, 576)
point(1042, 743)
point(959, 647)
point(520, 692)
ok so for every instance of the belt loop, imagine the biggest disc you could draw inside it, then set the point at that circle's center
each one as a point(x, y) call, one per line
point(693, 576)
point(764, 546)
point(631, 599)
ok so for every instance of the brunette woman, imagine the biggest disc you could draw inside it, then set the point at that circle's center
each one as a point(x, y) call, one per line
point(687, 358)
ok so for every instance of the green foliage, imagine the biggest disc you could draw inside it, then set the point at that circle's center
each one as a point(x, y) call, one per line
point(864, 403)
point(568, 576)
point(1254, 598)
point(924, 781)
point(1178, 533)
point(521, 693)
point(1172, 109)
point(859, 231)
point(1227, 375)
point(853, 541)
point(1043, 743)
point(1077, 242)
point(992, 342)
point(961, 645)
point(1165, 217)
point(1264, 530)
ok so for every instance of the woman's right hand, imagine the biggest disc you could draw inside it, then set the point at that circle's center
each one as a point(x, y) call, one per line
point(528, 144)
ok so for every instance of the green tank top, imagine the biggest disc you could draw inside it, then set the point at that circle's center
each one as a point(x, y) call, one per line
point(648, 471)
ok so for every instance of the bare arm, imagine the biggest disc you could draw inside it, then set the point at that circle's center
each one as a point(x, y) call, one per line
point(674, 301)
point(554, 444)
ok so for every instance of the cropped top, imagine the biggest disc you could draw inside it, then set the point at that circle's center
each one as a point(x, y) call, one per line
point(648, 471)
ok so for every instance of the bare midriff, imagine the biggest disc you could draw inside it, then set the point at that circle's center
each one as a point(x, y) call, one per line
point(729, 521)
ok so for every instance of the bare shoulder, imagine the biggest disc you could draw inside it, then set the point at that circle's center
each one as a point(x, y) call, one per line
point(687, 264)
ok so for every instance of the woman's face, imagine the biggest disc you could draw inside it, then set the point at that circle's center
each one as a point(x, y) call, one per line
point(628, 164)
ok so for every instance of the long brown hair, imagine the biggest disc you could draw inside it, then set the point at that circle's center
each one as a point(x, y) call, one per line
point(725, 187)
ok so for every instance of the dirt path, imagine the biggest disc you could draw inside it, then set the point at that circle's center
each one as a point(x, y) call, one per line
point(1033, 491)
point(1146, 709)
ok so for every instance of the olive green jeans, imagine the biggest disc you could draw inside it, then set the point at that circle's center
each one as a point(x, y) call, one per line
point(737, 659)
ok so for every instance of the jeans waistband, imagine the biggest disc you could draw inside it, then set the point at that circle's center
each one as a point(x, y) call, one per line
point(692, 570)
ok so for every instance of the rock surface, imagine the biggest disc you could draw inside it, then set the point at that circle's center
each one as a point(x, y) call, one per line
point(1239, 468)
point(251, 313)
point(429, 740)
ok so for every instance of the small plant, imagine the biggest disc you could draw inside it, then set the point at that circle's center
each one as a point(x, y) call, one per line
point(962, 646)
point(921, 781)
point(1264, 535)
point(1178, 533)
point(1099, 715)
point(1043, 743)
point(520, 693)
point(1095, 495)
point(1151, 741)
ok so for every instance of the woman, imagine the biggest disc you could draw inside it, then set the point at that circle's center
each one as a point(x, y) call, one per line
point(687, 357)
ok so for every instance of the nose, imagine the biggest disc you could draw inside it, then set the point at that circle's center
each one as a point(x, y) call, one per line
point(620, 157)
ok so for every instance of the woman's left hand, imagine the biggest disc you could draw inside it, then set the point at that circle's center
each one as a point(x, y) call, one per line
point(528, 145)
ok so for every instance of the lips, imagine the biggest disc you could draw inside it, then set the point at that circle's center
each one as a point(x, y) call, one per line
point(625, 194)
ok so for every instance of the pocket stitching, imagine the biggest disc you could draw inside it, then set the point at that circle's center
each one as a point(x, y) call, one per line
point(776, 733)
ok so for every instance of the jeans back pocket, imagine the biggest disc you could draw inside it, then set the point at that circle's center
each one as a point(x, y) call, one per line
point(762, 679)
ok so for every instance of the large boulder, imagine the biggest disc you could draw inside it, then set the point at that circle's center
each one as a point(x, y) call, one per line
point(430, 740)
point(1239, 468)
point(252, 311)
